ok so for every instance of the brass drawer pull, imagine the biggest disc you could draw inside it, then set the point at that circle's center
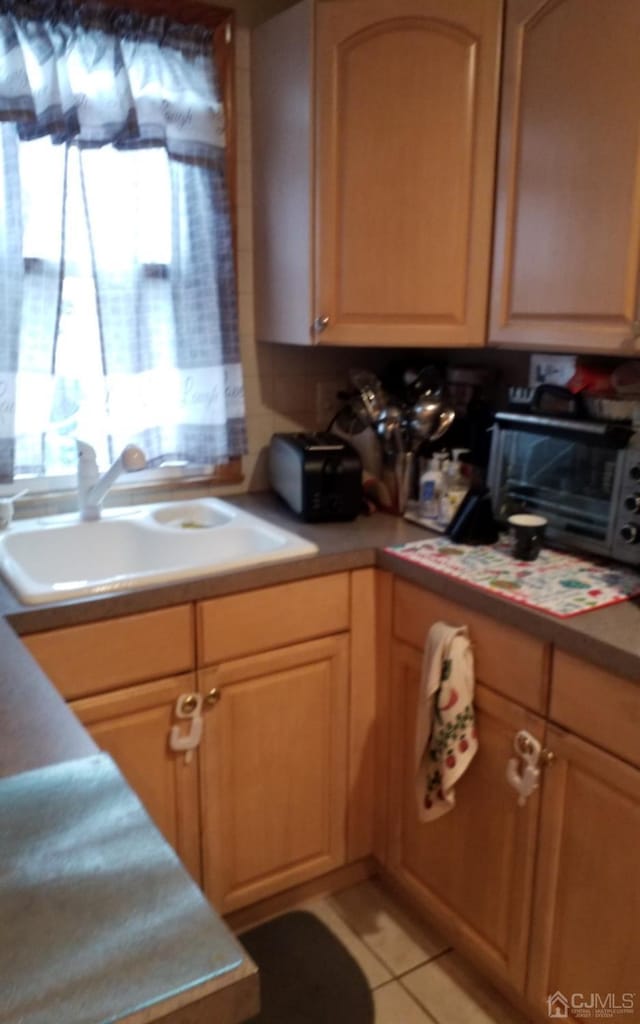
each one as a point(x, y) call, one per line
point(212, 697)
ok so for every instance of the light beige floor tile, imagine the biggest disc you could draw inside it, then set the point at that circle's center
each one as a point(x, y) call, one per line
point(394, 1006)
point(374, 971)
point(454, 994)
point(401, 942)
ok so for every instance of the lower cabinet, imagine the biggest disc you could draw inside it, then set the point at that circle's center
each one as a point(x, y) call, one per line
point(273, 769)
point(472, 869)
point(545, 895)
point(133, 726)
point(260, 803)
point(585, 940)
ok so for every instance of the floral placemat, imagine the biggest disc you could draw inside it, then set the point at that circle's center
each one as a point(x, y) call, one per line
point(557, 583)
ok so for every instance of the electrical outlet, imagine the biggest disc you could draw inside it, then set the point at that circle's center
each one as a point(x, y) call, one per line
point(550, 369)
point(326, 402)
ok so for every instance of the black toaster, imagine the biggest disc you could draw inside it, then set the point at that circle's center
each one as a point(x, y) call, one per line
point(318, 475)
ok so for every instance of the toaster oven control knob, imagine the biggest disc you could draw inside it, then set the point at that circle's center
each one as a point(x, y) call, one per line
point(630, 533)
point(632, 503)
point(634, 472)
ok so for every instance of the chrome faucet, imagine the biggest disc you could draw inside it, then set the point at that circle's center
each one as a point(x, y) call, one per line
point(93, 488)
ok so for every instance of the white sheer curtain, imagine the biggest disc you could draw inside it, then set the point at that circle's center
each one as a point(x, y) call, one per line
point(116, 265)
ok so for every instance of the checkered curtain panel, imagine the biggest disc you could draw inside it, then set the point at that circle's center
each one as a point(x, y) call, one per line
point(118, 318)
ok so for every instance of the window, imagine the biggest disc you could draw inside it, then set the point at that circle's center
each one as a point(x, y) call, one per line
point(115, 248)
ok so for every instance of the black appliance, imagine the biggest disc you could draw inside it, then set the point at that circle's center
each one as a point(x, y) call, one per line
point(582, 475)
point(318, 475)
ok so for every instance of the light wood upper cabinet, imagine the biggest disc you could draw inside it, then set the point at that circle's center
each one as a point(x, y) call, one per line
point(133, 726)
point(374, 153)
point(587, 899)
point(274, 770)
point(567, 241)
point(471, 869)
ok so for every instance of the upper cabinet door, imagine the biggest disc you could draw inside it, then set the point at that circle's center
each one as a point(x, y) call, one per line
point(567, 240)
point(406, 100)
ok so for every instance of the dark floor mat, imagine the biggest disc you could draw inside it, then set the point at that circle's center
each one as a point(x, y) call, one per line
point(306, 974)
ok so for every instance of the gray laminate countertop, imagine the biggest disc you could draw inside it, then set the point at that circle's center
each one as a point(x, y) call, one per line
point(609, 637)
point(99, 921)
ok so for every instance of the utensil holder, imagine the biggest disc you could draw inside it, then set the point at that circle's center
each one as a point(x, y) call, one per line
point(404, 466)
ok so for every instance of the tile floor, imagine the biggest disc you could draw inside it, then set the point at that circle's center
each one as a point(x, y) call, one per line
point(416, 978)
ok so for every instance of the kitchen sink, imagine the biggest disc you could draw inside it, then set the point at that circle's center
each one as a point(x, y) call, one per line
point(59, 557)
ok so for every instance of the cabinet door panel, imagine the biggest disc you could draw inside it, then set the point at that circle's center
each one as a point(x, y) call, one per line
point(568, 205)
point(133, 725)
point(406, 109)
point(473, 868)
point(274, 771)
point(587, 901)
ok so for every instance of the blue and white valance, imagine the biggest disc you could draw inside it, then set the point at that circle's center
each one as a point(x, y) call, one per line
point(94, 75)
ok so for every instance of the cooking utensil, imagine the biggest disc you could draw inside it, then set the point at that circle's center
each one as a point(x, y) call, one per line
point(389, 428)
point(447, 416)
point(430, 419)
point(426, 381)
point(404, 479)
point(423, 419)
point(371, 393)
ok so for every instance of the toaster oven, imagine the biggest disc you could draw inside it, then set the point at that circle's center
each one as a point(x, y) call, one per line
point(582, 475)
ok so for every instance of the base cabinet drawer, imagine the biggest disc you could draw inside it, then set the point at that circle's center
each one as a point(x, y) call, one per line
point(273, 763)
point(101, 656)
point(597, 705)
point(263, 620)
point(509, 661)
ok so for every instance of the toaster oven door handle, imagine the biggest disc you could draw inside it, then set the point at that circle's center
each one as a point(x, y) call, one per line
point(611, 435)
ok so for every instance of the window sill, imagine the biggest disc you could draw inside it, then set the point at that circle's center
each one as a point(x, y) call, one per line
point(126, 492)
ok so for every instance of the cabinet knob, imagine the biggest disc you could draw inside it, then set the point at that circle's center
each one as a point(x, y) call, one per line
point(212, 697)
point(547, 757)
point(319, 324)
point(189, 704)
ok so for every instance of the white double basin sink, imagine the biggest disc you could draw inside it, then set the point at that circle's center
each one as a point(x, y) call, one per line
point(59, 557)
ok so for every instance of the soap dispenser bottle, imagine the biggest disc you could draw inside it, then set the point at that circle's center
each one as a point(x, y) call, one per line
point(430, 490)
point(455, 487)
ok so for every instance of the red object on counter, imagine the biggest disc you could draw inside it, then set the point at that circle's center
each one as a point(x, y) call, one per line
point(592, 379)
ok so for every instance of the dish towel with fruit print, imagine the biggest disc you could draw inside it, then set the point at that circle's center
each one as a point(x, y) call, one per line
point(446, 740)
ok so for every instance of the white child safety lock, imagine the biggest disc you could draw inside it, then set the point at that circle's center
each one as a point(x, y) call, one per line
point(523, 771)
point(188, 709)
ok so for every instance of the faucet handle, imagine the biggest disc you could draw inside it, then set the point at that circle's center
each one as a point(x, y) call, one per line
point(133, 458)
